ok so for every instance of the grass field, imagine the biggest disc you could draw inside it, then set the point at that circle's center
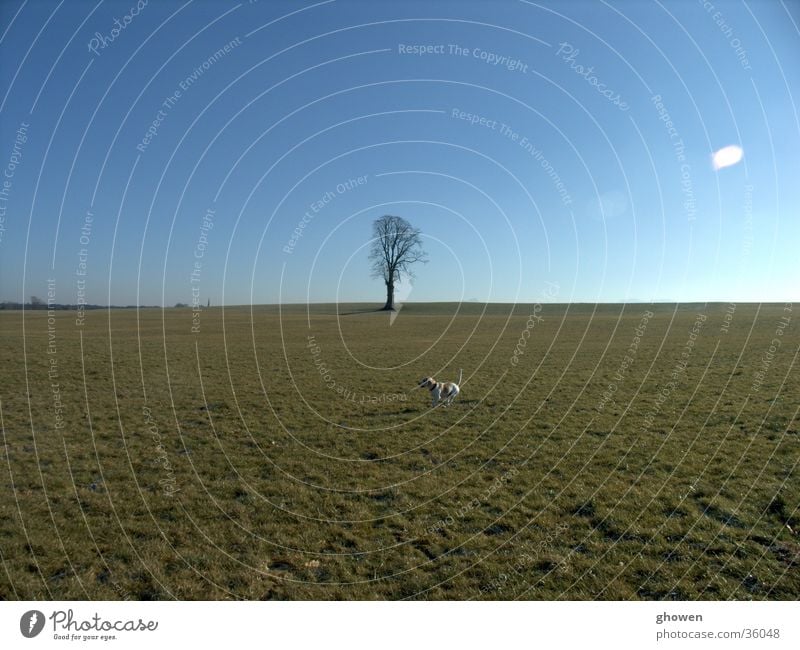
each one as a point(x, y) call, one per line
point(621, 452)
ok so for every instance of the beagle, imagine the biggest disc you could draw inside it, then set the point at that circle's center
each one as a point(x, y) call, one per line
point(444, 392)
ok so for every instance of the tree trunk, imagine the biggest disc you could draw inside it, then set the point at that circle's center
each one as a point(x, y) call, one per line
point(389, 306)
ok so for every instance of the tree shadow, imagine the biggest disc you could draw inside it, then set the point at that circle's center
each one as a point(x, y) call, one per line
point(371, 310)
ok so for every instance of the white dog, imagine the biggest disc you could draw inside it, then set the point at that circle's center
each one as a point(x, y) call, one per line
point(441, 392)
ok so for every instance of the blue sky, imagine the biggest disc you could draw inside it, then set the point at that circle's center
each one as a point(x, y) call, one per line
point(257, 111)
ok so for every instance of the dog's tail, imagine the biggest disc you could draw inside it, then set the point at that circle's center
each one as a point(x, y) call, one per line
point(460, 374)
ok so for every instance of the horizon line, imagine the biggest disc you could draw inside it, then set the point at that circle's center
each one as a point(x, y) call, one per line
point(94, 306)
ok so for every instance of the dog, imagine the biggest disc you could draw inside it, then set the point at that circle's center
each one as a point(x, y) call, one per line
point(441, 392)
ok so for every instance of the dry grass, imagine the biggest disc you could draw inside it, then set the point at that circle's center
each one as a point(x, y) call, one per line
point(271, 484)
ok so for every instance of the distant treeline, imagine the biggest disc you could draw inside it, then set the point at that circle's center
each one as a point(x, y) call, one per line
point(44, 306)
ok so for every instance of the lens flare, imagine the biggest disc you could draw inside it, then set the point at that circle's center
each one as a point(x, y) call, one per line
point(726, 156)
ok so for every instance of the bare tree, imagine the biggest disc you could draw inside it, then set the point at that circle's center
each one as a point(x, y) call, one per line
point(396, 246)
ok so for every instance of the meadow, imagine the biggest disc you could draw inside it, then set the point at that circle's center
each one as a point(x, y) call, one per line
point(596, 452)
